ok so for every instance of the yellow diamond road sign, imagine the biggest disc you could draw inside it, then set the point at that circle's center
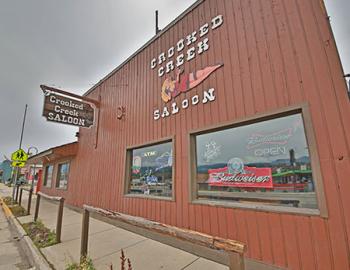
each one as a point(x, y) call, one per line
point(18, 164)
point(19, 155)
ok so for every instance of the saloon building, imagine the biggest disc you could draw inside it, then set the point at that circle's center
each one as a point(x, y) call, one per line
point(234, 120)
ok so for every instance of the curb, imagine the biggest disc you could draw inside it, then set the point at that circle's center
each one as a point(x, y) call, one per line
point(31, 251)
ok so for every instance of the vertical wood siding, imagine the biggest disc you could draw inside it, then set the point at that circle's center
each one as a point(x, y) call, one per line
point(275, 54)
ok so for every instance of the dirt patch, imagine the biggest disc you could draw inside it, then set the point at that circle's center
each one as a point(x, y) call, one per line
point(15, 208)
point(40, 235)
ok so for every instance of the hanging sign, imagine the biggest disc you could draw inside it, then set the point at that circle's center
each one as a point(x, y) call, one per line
point(67, 111)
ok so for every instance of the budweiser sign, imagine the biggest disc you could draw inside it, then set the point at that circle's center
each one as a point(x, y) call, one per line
point(279, 137)
point(240, 176)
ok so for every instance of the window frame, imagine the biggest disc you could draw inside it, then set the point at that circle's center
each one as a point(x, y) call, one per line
point(58, 172)
point(302, 109)
point(45, 175)
point(128, 164)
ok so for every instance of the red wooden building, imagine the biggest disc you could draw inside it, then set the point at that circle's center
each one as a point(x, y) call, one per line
point(234, 120)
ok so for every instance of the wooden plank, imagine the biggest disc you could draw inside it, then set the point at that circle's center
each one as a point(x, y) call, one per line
point(48, 197)
point(335, 67)
point(264, 56)
point(277, 240)
point(264, 237)
point(242, 229)
point(253, 235)
point(194, 237)
point(306, 245)
point(232, 228)
point(292, 244)
point(244, 73)
point(238, 102)
point(213, 219)
point(253, 57)
point(337, 235)
point(222, 222)
point(321, 244)
point(292, 79)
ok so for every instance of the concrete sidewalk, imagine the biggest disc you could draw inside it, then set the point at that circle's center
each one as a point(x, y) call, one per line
point(106, 241)
point(11, 254)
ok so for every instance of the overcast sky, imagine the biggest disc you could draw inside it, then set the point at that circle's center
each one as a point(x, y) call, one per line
point(73, 44)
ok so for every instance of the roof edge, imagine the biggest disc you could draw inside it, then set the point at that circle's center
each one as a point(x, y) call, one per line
point(48, 151)
point(165, 29)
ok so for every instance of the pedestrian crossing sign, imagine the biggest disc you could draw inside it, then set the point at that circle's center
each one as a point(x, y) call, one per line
point(20, 155)
point(18, 164)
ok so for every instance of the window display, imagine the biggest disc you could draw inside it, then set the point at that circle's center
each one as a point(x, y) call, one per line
point(62, 176)
point(151, 170)
point(266, 162)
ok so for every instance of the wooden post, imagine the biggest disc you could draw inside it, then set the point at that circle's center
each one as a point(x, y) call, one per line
point(29, 201)
point(59, 221)
point(37, 207)
point(17, 190)
point(20, 197)
point(84, 234)
point(236, 261)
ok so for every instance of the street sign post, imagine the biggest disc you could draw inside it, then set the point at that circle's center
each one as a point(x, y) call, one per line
point(64, 110)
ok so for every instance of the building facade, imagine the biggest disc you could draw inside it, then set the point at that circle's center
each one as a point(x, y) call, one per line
point(232, 121)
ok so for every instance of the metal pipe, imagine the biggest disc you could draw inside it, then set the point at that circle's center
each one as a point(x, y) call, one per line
point(157, 28)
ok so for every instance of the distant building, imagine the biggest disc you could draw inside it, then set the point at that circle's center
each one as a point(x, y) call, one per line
point(5, 171)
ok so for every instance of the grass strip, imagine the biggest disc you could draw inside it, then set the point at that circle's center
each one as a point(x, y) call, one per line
point(40, 235)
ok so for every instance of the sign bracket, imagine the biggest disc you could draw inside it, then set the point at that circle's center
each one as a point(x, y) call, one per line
point(52, 89)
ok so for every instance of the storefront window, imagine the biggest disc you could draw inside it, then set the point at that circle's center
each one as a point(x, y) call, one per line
point(48, 175)
point(266, 162)
point(151, 170)
point(62, 176)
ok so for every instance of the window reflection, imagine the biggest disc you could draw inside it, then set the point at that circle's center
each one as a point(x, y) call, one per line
point(151, 171)
point(48, 175)
point(268, 162)
point(62, 176)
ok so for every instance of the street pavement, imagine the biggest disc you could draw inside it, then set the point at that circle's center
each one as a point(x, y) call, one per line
point(11, 255)
point(106, 242)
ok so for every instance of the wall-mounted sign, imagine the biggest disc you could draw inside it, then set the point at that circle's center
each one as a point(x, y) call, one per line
point(186, 49)
point(238, 175)
point(196, 43)
point(172, 88)
point(208, 96)
point(68, 111)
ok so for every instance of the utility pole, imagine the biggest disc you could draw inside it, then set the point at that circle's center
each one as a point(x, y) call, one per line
point(20, 146)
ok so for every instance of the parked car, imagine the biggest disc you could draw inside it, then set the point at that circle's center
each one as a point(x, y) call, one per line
point(21, 181)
